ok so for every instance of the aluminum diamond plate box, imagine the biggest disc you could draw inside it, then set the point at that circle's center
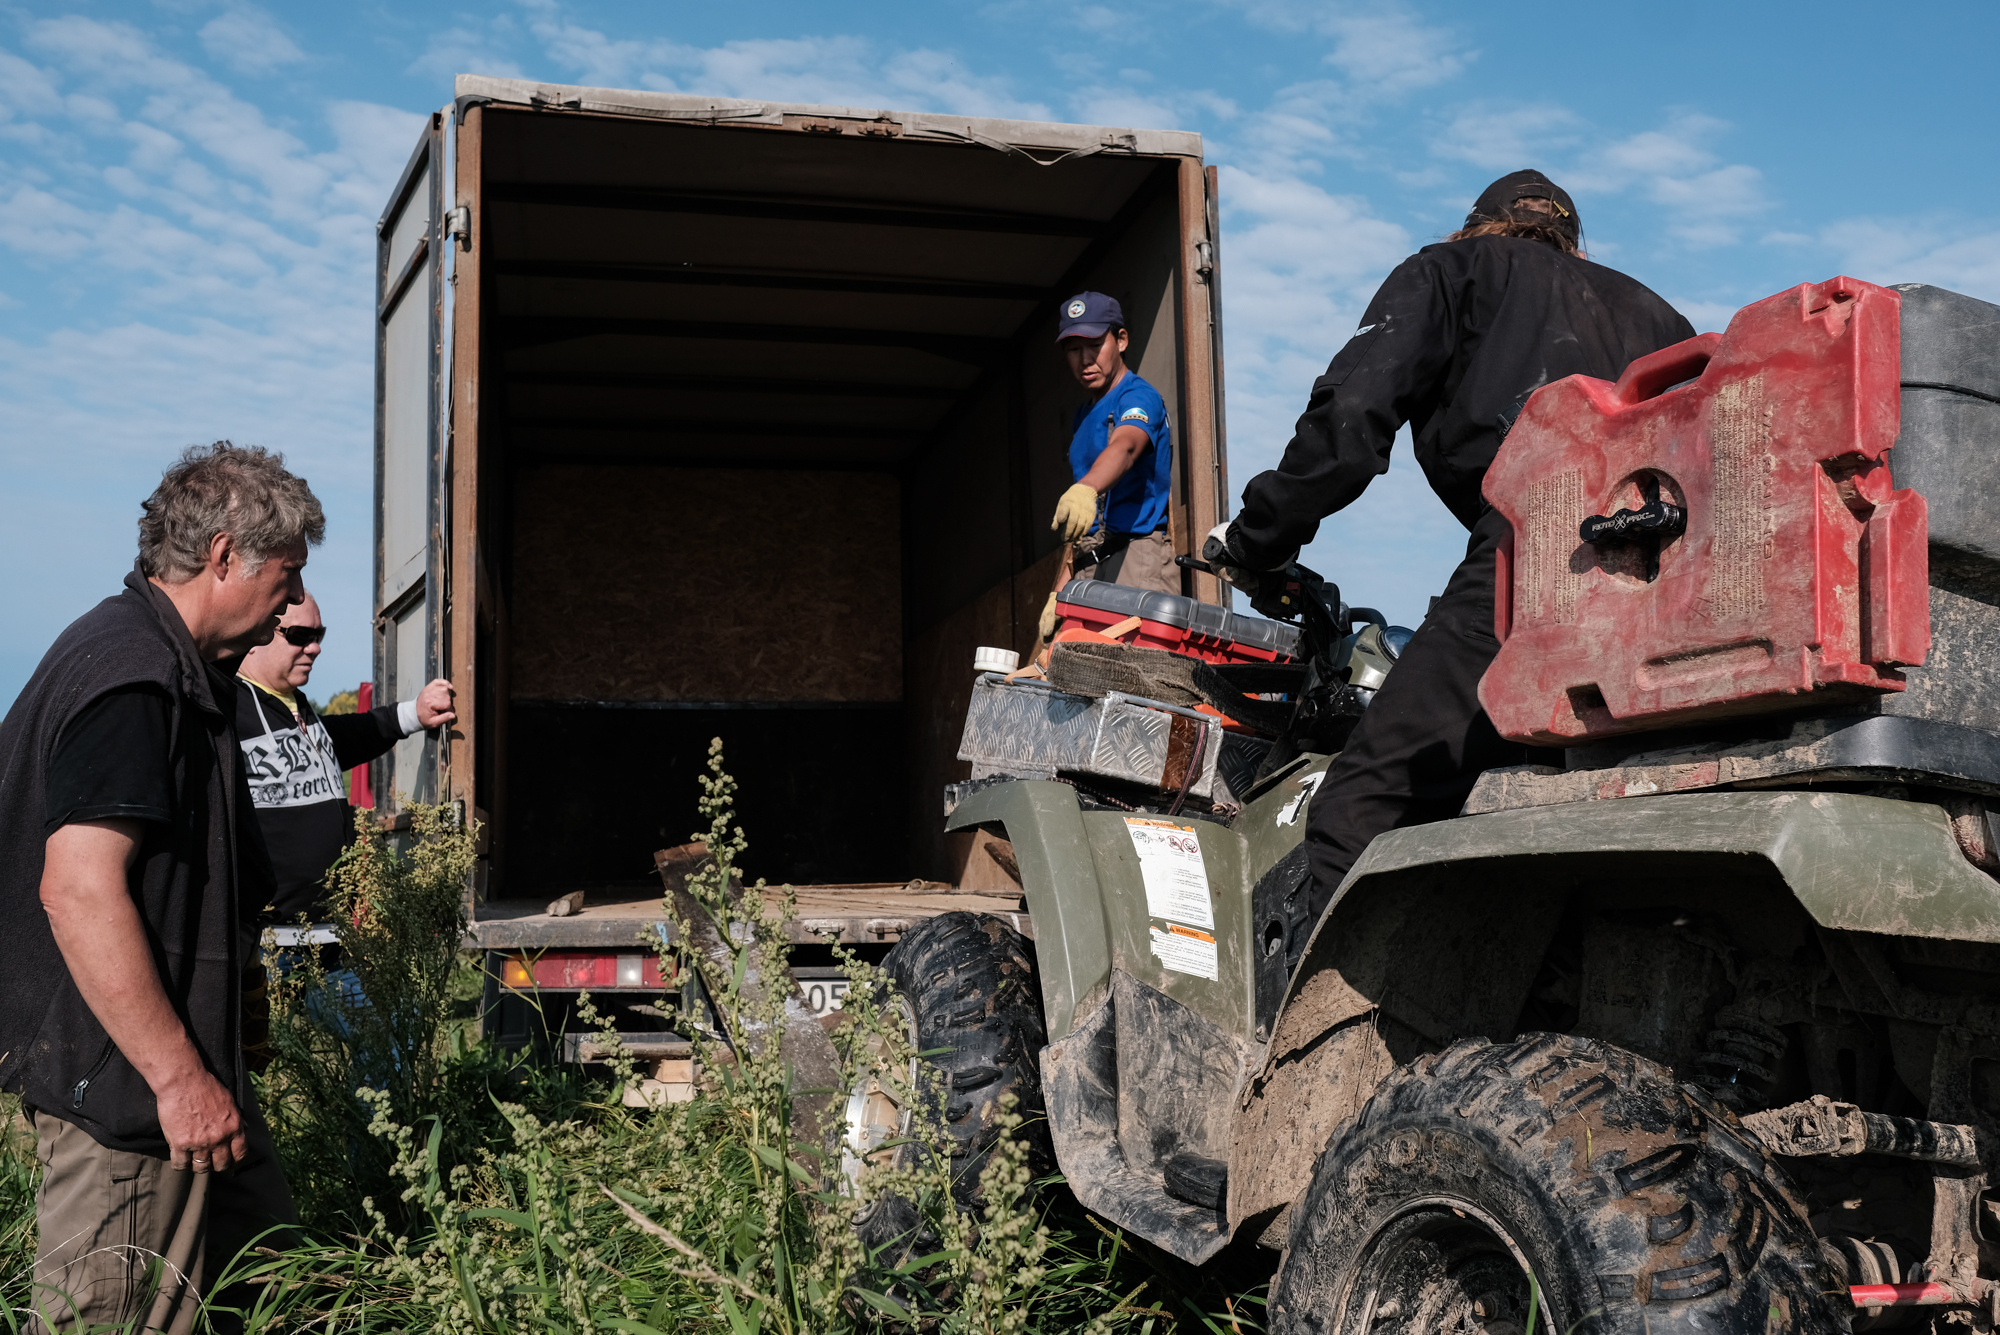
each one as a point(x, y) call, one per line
point(1029, 726)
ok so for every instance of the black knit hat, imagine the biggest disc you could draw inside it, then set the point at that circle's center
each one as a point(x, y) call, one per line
point(1496, 203)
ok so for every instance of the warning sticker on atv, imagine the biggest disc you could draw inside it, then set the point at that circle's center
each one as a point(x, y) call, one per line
point(1170, 864)
point(1177, 899)
point(1186, 950)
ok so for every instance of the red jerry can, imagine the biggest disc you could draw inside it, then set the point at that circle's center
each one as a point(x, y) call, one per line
point(1714, 535)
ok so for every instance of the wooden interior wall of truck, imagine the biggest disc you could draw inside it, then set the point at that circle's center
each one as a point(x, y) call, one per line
point(754, 432)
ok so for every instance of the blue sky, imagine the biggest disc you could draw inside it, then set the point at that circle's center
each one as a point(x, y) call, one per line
point(188, 191)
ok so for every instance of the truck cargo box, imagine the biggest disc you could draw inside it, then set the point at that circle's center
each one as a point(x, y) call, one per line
point(709, 418)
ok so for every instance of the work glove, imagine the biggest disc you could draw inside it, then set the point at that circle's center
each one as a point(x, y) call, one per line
point(1266, 589)
point(1049, 618)
point(1076, 513)
point(1228, 563)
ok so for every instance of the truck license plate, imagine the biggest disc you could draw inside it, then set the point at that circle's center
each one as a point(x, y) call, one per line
point(825, 989)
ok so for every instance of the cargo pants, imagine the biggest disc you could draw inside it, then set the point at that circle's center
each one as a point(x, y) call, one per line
point(127, 1238)
point(1424, 739)
point(1146, 562)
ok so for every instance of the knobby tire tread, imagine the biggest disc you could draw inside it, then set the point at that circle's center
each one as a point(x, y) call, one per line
point(970, 982)
point(1640, 1202)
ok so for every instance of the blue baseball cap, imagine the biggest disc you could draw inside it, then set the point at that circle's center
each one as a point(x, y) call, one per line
point(1089, 315)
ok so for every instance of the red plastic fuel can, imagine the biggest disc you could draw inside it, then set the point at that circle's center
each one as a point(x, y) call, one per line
point(1800, 576)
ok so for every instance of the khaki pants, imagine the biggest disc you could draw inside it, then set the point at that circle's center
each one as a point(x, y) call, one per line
point(127, 1239)
point(1146, 563)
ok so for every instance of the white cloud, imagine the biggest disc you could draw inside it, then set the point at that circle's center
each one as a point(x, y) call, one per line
point(469, 50)
point(1127, 109)
point(1674, 167)
point(1391, 51)
point(1299, 265)
point(202, 272)
point(835, 71)
point(1507, 139)
point(1382, 49)
point(1949, 253)
point(1672, 151)
point(1706, 201)
point(249, 41)
point(1707, 317)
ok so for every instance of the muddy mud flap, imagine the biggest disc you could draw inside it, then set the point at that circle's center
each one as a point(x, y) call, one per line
point(1080, 1083)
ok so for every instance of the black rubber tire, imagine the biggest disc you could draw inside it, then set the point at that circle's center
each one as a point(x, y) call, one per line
point(971, 984)
point(1640, 1204)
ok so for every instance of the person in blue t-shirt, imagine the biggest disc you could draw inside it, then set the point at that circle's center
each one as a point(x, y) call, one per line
point(1121, 456)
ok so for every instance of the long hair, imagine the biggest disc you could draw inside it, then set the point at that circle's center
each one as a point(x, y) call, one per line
point(1528, 229)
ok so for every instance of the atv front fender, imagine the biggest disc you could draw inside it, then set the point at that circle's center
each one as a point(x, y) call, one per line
point(1059, 878)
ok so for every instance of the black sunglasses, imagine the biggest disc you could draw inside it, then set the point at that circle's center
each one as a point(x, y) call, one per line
point(301, 636)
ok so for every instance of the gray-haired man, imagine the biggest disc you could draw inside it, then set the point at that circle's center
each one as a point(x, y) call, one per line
point(129, 863)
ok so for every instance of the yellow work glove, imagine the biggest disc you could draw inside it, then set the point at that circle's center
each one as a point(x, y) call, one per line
point(1048, 626)
point(1076, 512)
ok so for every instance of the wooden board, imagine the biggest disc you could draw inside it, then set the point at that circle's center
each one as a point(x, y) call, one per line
point(854, 914)
point(703, 584)
point(941, 677)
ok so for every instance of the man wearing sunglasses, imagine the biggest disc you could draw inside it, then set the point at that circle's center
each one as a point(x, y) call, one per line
point(295, 759)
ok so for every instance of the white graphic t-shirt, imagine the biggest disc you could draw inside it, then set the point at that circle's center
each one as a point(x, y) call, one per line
point(291, 767)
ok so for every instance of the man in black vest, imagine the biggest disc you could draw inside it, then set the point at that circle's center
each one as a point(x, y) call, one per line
point(130, 865)
point(1453, 344)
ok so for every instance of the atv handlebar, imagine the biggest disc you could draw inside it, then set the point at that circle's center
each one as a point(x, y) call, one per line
point(1297, 593)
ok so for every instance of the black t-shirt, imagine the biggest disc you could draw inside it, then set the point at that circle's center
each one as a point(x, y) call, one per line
point(112, 761)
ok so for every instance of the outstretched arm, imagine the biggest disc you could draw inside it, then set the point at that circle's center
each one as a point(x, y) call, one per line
point(1390, 371)
point(359, 738)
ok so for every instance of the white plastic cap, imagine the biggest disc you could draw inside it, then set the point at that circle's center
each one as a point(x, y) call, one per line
point(988, 659)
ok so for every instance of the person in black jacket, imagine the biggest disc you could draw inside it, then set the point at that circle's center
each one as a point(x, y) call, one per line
point(296, 758)
point(1453, 344)
point(129, 866)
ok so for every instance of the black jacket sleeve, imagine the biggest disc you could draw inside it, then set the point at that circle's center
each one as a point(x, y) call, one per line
point(1391, 371)
point(359, 738)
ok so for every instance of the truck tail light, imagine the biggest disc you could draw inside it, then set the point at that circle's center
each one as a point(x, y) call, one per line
point(586, 970)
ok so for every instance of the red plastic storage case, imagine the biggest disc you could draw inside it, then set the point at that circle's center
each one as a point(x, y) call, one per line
point(1801, 576)
point(1180, 624)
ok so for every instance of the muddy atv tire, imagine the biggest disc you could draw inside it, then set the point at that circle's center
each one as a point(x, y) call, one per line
point(974, 1005)
point(1639, 1205)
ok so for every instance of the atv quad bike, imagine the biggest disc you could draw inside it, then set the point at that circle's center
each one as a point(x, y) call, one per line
point(1697, 1027)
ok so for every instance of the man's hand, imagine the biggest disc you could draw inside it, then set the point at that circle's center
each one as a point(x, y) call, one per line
point(434, 704)
point(204, 1131)
point(85, 891)
point(1228, 566)
point(1076, 513)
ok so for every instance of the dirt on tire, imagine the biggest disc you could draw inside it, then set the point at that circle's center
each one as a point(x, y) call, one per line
point(970, 982)
point(1638, 1203)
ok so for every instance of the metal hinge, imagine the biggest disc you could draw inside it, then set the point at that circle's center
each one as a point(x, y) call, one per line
point(1204, 260)
point(458, 223)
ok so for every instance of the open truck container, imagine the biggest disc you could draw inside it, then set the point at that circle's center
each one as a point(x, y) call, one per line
point(701, 418)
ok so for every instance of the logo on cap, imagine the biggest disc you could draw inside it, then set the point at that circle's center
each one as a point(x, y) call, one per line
point(1075, 308)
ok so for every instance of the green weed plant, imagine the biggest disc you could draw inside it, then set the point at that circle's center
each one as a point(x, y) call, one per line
point(446, 1189)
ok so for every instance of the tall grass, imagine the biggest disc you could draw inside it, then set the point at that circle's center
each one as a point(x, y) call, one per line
point(18, 1175)
point(446, 1189)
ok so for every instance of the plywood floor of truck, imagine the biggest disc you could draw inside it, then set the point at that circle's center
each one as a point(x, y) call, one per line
point(851, 914)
